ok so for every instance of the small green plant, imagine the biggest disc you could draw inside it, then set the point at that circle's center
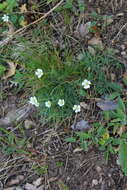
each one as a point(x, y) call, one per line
point(50, 79)
point(40, 170)
point(8, 8)
point(108, 135)
point(11, 144)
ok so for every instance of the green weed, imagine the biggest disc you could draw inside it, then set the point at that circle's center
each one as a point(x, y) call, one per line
point(107, 135)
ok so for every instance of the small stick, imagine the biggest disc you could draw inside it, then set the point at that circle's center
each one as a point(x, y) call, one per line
point(124, 26)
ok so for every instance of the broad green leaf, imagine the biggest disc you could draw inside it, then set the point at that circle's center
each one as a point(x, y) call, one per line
point(123, 156)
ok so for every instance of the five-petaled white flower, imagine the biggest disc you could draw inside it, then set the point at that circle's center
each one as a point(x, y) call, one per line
point(86, 84)
point(61, 102)
point(33, 101)
point(48, 104)
point(77, 108)
point(5, 18)
point(39, 73)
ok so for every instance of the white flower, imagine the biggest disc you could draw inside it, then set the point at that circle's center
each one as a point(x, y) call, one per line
point(33, 101)
point(77, 108)
point(48, 104)
point(5, 18)
point(86, 84)
point(39, 73)
point(61, 102)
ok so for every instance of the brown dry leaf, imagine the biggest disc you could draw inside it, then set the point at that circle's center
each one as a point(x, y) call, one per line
point(10, 31)
point(84, 105)
point(77, 150)
point(11, 28)
point(121, 130)
point(96, 41)
point(23, 8)
point(11, 71)
point(125, 75)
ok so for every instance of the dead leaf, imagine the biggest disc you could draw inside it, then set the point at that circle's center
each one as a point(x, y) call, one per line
point(81, 126)
point(11, 70)
point(125, 75)
point(28, 124)
point(84, 29)
point(15, 181)
point(107, 105)
point(17, 115)
point(11, 28)
point(96, 41)
point(121, 130)
point(77, 150)
point(84, 105)
point(23, 8)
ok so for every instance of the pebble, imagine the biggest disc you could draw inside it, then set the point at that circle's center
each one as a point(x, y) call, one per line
point(98, 169)
point(38, 182)
point(123, 47)
point(123, 53)
point(94, 182)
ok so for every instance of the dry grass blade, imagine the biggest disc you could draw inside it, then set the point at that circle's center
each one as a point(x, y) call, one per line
point(11, 71)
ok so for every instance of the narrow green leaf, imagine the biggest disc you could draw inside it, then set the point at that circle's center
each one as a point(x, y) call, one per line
point(70, 139)
point(121, 104)
point(123, 156)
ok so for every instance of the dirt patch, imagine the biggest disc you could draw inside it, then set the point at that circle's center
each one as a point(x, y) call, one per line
point(49, 156)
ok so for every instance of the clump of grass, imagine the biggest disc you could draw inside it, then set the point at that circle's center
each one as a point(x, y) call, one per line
point(62, 79)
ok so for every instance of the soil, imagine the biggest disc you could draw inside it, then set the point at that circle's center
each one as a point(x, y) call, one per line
point(63, 166)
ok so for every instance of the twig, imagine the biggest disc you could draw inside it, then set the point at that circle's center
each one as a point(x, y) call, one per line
point(4, 42)
point(124, 26)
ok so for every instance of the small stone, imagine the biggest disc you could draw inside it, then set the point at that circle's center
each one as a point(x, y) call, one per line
point(29, 186)
point(38, 182)
point(20, 177)
point(28, 124)
point(41, 187)
point(123, 47)
point(91, 50)
point(94, 182)
point(98, 169)
point(123, 53)
point(13, 182)
point(18, 188)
